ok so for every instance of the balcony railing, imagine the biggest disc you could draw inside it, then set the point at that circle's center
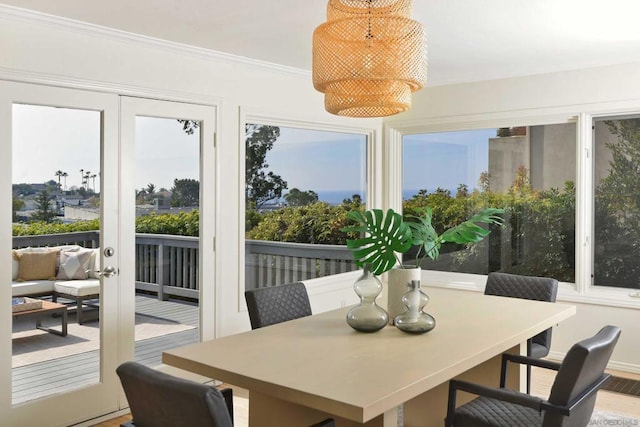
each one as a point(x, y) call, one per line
point(168, 265)
point(272, 263)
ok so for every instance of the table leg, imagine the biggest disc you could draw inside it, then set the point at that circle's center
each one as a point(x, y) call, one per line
point(267, 411)
point(430, 408)
point(63, 317)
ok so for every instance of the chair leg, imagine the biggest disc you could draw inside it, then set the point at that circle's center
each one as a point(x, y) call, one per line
point(528, 379)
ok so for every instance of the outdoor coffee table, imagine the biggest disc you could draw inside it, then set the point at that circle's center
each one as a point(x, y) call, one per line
point(48, 308)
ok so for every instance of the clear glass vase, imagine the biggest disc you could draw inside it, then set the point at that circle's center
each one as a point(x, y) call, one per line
point(367, 316)
point(414, 320)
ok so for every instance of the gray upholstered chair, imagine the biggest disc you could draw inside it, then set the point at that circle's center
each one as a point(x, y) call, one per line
point(570, 403)
point(526, 287)
point(157, 399)
point(276, 304)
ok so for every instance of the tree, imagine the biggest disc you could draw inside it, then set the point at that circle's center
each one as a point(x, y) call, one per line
point(296, 197)
point(261, 186)
point(43, 211)
point(189, 126)
point(16, 206)
point(151, 188)
point(60, 174)
point(185, 192)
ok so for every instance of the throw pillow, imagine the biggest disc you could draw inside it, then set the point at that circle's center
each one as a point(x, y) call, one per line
point(74, 265)
point(15, 266)
point(37, 265)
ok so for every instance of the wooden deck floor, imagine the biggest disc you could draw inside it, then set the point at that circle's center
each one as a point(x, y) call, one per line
point(75, 371)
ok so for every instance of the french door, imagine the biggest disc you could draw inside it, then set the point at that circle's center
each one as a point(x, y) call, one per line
point(68, 163)
point(59, 155)
point(169, 181)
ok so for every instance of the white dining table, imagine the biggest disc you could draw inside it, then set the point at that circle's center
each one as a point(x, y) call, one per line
point(305, 370)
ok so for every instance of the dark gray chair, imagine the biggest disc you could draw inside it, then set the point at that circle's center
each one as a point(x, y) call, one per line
point(157, 399)
point(570, 403)
point(276, 304)
point(526, 287)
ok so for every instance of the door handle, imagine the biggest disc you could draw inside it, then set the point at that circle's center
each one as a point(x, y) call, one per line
point(108, 271)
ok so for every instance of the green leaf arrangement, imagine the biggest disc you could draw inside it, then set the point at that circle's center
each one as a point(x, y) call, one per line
point(387, 234)
point(383, 236)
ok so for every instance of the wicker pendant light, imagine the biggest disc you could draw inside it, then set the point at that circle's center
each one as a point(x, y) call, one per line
point(369, 57)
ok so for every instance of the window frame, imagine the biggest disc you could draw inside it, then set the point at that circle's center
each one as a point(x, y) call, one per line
point(582, 290)
point(373, 165)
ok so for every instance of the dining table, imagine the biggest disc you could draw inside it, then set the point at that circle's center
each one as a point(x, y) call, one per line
point(302, 371)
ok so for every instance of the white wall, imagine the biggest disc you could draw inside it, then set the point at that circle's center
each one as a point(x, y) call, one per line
point(532, 100)
point(40, 49)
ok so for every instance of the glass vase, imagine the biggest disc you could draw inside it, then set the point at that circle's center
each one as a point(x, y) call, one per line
point(414, 320)
point(367, 316)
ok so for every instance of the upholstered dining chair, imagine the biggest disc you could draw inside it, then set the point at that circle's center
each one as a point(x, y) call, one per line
point(570, 403)
point(526, 287)
point(157, 399)
point(276, 304)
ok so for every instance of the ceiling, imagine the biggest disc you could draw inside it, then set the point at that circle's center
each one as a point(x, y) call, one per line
point(468, 40)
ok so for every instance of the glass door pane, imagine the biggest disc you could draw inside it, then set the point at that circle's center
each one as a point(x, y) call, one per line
point(167, 181)
point(56, 329)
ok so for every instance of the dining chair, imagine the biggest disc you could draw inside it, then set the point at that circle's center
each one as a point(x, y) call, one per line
point(276, 304)
point(570, 402)
point(526, 287)
point(157, 399)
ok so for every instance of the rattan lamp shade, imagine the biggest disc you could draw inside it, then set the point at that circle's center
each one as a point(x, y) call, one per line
point(369, 57)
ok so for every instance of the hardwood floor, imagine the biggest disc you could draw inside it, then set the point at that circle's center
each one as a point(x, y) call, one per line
point(540, 384)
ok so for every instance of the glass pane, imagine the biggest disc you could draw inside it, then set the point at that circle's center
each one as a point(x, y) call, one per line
point(617, 202)
point(167, 167)
point(56, 214)
point(300, 184)
point(528, 171)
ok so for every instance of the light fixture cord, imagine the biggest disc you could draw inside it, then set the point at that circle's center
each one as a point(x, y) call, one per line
point(369, 33)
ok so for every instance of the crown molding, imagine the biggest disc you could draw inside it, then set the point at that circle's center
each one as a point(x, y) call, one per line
point(47, 79)
point(16, 14)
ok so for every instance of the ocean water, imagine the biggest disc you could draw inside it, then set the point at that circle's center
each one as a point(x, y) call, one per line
point(335, 197)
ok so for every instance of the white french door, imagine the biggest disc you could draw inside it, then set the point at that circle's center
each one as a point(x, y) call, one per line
point(68, 155)
point(168, 169)
point(49, 379)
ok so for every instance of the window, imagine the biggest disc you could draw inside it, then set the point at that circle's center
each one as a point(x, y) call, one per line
point(300, 184)
point(529, 171)
point(617, 202)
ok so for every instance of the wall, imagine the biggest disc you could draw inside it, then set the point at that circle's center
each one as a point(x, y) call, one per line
point(533, 100)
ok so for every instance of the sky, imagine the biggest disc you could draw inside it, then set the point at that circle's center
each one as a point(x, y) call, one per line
point(445, 159)
point(319, 160)
point(48, 139)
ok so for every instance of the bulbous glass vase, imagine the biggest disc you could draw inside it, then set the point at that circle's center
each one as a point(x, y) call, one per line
point(367, 316)
point(414, 320)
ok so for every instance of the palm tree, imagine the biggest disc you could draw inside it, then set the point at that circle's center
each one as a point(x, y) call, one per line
point(59, 174)
point(85, 179)
point(65, 175)
point(151, 188)
point(93, 178)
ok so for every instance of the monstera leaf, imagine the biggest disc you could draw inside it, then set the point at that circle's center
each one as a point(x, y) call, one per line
point(424, 235)
point(469, 231)
point(383, 234)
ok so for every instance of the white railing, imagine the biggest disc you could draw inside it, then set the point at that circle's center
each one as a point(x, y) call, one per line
point(272, 263)
point(168, 265)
